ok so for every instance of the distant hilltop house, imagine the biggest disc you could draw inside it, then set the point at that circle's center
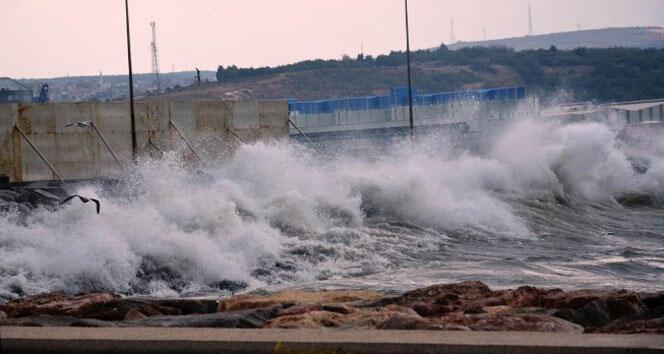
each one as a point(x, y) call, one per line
point(12, 91)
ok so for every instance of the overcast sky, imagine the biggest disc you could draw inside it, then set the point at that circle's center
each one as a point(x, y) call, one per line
point(46, 38)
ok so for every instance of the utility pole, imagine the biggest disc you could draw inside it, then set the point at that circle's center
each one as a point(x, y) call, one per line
point(410, 81)
point(134, 145)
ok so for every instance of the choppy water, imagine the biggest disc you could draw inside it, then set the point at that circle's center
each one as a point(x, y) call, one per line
point(539, 209)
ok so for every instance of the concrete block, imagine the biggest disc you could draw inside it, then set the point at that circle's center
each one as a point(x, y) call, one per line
point(271, 114)
point(212, 115)
point(34, 118)
point(245, 115)
point(65, 113)
point(8, 114)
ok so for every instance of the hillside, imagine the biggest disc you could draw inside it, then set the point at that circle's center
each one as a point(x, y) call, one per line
point(629, 37)
point(110, 87)
point(613, 74)
point(345, 82)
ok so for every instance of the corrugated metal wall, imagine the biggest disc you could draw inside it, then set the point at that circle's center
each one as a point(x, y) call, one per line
point(399, 97)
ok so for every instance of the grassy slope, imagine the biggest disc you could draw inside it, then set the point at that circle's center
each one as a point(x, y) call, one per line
point(347, 82)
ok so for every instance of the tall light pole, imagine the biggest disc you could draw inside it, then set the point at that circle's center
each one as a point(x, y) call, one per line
point(134, 145)
point(410, 81)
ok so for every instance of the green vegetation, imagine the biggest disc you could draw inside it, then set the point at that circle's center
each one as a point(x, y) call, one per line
point(614, 74)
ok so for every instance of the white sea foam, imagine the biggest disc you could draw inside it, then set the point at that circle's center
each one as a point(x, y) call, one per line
point(278, 213)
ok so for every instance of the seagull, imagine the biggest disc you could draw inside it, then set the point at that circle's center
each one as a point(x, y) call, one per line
point(83, 199)
point(80, 124)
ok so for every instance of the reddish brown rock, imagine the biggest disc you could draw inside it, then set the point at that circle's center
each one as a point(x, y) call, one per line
point(438, 300)
point(299, 309)
point(527, 323)
point(652, 325)
point(3, 315)
point(460, 306)
point(403, 321)
point(528, 296)
point(252, 301)
point(58, 304)
point(134, 314)
point(117, 310)
point(359, 318)
point(311, 319)
point(338, 308)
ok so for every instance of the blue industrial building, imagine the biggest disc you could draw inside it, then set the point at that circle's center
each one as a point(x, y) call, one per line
point(399, 97)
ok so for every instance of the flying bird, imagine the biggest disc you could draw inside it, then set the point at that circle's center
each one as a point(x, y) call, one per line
point(83, 199)
point(79, 124)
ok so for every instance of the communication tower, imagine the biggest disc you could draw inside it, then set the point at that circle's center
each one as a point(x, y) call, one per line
point(452, 36)
point(155, 59)
point(530, 20)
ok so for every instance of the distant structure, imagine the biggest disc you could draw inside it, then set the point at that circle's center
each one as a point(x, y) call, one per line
point(155, 59)
point(625, 37)
point(530, 20)
point(12, 91)
point(452, 35)
point(484, 33)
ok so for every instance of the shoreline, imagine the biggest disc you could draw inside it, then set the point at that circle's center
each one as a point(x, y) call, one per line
point(465, 307)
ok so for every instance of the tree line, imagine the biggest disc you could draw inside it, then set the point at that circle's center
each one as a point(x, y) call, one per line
point(601, 74)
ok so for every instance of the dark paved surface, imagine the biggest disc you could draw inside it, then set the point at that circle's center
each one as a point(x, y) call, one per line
point(189, 340)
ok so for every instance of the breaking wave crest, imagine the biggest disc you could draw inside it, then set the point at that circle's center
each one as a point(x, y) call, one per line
point(276, 213)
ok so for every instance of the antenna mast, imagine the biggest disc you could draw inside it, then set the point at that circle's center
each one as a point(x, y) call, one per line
point(155, 59)
point(530, 20)
point(452, 36)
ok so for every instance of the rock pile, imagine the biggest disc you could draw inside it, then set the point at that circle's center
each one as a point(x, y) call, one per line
point(466, 306)
point(26, 197)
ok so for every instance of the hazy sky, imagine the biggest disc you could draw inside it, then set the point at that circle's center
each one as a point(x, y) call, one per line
point(44, 38)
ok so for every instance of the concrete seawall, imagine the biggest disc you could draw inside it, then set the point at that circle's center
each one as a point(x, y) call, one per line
point(214, 129)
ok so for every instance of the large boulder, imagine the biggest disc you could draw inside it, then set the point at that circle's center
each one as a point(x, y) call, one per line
point(511, 322)
point(56, 304)
point(255, 318)
point(366, 318)
point(438, 300)
point(294, 297)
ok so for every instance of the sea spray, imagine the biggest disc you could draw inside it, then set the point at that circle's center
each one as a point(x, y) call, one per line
point(535, 209)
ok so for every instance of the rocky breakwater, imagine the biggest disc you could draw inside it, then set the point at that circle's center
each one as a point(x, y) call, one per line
point(467, 306)
point(23, 198)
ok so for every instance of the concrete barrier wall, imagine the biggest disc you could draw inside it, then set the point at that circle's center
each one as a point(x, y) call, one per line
point(79, 152)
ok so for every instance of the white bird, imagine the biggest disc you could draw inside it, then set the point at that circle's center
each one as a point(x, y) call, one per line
point(80, 124)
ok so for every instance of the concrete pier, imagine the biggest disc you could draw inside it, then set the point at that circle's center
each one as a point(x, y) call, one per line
point(188, 340)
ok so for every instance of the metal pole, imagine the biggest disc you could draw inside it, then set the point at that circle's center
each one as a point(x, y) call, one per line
point(106, 143)
point(39, 153)
point(134, 144)
point(236, 135)
point(410, 81)
point(184, 139)
point(304, 135)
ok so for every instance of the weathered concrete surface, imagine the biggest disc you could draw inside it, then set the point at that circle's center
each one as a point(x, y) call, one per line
point(79, 153)
point(188, 340)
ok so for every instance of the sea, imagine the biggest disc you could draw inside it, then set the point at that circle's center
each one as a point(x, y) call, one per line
point(548, 204)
